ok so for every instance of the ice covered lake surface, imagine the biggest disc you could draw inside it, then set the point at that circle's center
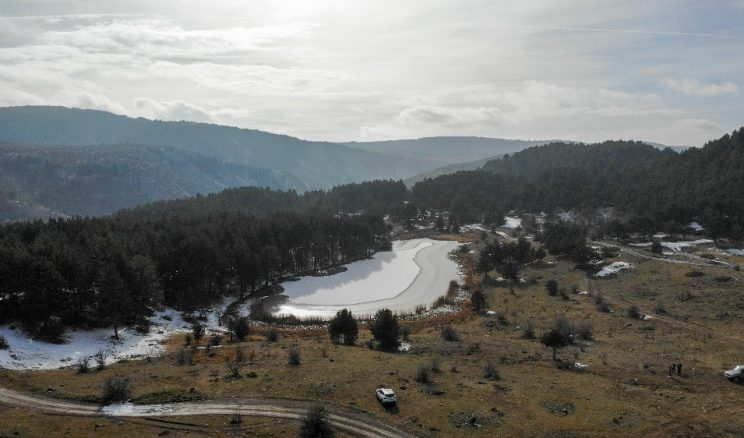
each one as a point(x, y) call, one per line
point(415, 272)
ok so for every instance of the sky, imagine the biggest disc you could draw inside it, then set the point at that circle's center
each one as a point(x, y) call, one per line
point(665, 71)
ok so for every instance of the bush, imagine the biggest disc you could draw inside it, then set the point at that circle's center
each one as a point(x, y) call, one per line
point(602, 304)
point(478, 301)
point(405, 332)
point(435, 366)
point(584, 330)
point(273, 335)
point(422, 374)
point(656, 247)
point(83, 364)
point(449, 334)
point(490, 372)
point(215, 341)
point(316, 424)
point(187, 340)
point(723, 278)
point(634, 312)
point(694, 274)
point(234, 368)
point(293, 356)
point(100, 358)
point(552, 287)
point(3, 343)
point(197, 331)
point(184, 357)
point(529, 330)
point(239, 328)
point(659, 308)
point(115, 390)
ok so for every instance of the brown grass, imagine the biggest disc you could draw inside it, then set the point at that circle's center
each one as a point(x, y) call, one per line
point(630, 395)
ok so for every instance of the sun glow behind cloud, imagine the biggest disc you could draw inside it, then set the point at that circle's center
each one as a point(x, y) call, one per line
point(381, 69)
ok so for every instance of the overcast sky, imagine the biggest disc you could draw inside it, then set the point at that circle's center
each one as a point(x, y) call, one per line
point(665, 71)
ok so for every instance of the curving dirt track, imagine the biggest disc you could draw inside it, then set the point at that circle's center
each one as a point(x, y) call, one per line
point(347, 421)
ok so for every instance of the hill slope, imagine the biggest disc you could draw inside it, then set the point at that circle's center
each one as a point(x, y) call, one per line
point(43, 181)
point(316, 164)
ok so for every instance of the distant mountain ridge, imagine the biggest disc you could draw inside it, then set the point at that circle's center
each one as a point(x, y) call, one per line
point(315, 164)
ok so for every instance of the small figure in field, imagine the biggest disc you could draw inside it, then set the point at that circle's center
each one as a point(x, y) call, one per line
point(679, 368)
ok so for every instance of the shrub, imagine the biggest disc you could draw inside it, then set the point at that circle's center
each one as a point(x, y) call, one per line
point(449, 334)
point(473, 348)
point(234, 368)
point(83, 364)
point(656, 247)
point(187, 340)
point(215, 340)
point(602, 304)
point(554, 340)
point(490, 372)
point(197, 331)
point(529, 330)
point(434, 365)
point(552, 287)
point(273, 335)
point(584, 330)
point(100, 358)
point(723, 278)
point(694, 273)
point(116, 389)
point(316, 424)
point(478, 301)
point(293, 356)
point(239, 328)
point(184, 357)
point(405, 332)
point(422, 374)
point(3, 343)
point(659, 308)
point(634, 312)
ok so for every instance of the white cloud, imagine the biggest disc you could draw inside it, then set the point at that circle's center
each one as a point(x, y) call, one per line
point(327, 69)
point(692, 87)
point(174, 110)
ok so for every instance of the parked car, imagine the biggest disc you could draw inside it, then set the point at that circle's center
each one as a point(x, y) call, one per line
point(386, 396)
point(736, 374)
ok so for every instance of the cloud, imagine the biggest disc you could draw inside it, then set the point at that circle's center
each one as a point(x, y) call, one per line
point(692, 87)
point(173, 110)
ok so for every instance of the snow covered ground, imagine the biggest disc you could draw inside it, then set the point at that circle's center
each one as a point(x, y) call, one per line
point(415, 272)
point(736, 252)
point(512, 222)
point(677, 246)
point(613, 268)
point(26, 353)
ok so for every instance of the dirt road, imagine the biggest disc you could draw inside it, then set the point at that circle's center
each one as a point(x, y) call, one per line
point(354, 423)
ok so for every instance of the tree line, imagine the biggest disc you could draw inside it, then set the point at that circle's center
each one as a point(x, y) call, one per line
point(114, 271)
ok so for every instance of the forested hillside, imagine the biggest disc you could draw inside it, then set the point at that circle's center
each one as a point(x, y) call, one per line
point(661, 186)
point(316, 164)
point(114, 271)
point(44, 181)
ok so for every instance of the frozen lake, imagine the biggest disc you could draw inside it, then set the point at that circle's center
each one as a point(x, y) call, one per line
point(415, 272)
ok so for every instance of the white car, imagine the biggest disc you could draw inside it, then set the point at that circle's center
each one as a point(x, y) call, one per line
point(386, 396)
point(735, 375)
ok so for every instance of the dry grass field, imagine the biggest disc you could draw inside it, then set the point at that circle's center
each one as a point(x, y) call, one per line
point(625, 388)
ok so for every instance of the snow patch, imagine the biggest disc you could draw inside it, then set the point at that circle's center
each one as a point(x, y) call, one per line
point(613, 268)
point(512, 222)
point(694, 226)
point(736, 252)
point(677, 246)
point(25, 353)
